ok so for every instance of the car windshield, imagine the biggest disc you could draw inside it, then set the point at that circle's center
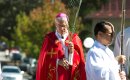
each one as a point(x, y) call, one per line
point(10, 70)
point(26, 61)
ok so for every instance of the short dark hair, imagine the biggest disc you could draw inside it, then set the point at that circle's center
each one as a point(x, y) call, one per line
point(100, 26)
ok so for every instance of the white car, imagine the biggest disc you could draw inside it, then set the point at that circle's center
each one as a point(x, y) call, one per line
point(12, 73)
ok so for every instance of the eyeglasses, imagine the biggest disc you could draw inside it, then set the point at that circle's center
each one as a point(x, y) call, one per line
point(62, 25)
point(109, 34)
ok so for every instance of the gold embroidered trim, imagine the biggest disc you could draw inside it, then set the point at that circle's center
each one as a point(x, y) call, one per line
point(76, 74)
point(51, 70)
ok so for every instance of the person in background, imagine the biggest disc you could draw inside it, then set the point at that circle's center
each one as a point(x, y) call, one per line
point(126, 48)
point(100, 61)
point(61, 56)
point(1, 77)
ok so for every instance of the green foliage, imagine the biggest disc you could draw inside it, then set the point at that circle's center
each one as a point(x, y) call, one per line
point(30, 30)
point(89, 6)
point(4, 39)
point(20, 35)
point(26, 22)
point(8, 11)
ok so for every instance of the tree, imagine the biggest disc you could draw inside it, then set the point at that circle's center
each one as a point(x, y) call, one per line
point(30, 30)
point(8, 11)
point(27, 21)
point(14, 7)
point(89, 6)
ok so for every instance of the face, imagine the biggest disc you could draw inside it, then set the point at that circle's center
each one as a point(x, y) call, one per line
point(62, 27)
point(106, 37)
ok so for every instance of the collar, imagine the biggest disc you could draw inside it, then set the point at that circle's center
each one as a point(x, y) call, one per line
point(60, 37)
point(98, 44)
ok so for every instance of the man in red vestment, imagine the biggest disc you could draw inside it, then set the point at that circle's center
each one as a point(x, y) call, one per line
point(61, 56)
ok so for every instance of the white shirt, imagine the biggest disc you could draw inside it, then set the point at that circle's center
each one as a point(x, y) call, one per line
point(101, 64)
point(65, 48)
point(126, 47)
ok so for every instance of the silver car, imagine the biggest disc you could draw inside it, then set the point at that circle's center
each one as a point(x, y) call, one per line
point(12, 73)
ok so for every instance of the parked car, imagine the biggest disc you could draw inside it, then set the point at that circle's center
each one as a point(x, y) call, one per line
point(12, 73)
point(16, 57)
point(24, 65)
point(14, 54)
point(32, 68)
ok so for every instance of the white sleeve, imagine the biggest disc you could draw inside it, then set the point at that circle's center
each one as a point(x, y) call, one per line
point(96, 69)
point(71, 58)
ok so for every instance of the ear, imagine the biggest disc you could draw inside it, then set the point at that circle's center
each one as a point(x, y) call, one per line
point(100, 33)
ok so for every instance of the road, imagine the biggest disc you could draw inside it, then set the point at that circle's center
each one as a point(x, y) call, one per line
point(5, 61)
point(27, 77)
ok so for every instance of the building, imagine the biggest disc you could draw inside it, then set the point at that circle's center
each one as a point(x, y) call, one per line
point(112, 11)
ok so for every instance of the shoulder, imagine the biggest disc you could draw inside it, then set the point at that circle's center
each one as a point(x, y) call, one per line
point(127, 30)
point(76, 38)
point(75, 35)
point(126, 33)
point(95, 51)
point(50, 35)
point(93, 55)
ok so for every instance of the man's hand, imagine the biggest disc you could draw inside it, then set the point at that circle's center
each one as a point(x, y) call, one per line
point(71, 47)
point(121, 59)
point(122, 75)
point(64, 63)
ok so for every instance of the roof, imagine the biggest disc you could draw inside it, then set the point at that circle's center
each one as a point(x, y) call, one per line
point(112, 9)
